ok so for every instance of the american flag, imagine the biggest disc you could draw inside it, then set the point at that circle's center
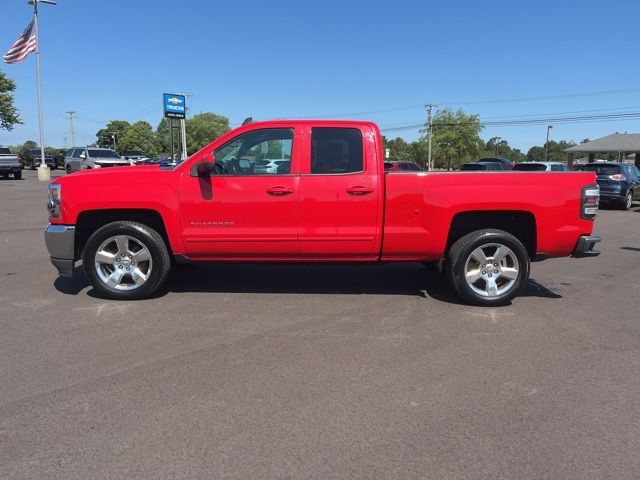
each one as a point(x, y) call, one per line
point(25, 44)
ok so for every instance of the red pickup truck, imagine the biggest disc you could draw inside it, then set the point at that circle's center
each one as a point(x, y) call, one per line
point(315, 191)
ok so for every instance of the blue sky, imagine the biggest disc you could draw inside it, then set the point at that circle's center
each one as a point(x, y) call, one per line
point(282, 59)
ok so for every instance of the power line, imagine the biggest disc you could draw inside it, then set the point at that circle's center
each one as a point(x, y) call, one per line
point(525, 116)
point(479, 102)
point(531, 121)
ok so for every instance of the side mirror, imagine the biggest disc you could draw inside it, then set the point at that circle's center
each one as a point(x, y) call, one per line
point(206, 166)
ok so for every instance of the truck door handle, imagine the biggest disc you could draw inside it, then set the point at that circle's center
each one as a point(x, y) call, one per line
point(279, 191)
point(359, 191)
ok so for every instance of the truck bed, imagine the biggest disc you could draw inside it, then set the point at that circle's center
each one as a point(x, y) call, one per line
point(421, 207)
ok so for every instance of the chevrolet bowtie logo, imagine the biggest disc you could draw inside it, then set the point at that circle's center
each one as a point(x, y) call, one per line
point(174, 100)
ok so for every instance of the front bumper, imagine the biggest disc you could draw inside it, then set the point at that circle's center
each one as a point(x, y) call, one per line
point(586, 246)
point(60, 241)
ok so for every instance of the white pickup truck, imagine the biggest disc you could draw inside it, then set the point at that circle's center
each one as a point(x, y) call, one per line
point(10, 164)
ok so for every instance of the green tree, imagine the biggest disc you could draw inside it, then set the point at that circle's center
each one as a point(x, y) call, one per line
point(28, 145)
point(203, 128)
point(503, 149)
point(139, 136)
point(105, 135)
point(555, 151)
point(163, 136)
point(456, 138)
point(9, 115)
point(399, 149)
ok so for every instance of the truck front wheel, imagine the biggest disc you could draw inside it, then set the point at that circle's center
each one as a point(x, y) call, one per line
point(487, 267)
point(126, 260)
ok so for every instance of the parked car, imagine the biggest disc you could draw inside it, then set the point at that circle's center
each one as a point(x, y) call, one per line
point(86, 158)
point(541, 167)
point(162, 161)
point(335, 204)
point(484, 166)
point(135, 157)
point(32, 159)
point(401, 166)
point(506, 163)
point(10, 164)
point(619, 182)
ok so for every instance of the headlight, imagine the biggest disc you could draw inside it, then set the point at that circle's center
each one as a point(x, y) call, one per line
point(53, 205)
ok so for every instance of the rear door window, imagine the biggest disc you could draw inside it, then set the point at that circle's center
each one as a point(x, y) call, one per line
point(336, 150)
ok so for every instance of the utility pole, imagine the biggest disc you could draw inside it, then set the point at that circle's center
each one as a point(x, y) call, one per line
point(498, 140)
point(429, 108)
point(546, 144)
point(73, 132)
point(113, 137)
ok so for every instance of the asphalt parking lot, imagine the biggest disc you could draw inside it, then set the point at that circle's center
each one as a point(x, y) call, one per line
point(243, 371)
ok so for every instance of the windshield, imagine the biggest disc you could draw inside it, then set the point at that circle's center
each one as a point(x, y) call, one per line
point(103, 154)
point(602, 169)
point(5, 151)
point(530, 167)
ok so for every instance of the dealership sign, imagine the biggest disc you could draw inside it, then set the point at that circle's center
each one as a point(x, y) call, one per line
point(174, 105)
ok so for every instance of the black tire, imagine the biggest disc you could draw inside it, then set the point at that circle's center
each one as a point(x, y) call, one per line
point(68, 169)
point(461, 252)
point(33, 166)
point(154, 243)
point(17, 175)
point(5, 176)
point(626, 203)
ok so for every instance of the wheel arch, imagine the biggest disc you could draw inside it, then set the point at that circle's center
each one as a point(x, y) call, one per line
point(519, 223)
point(91, 220)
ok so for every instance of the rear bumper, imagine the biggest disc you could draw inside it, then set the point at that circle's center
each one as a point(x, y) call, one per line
point(60, 241)
point(586, 246)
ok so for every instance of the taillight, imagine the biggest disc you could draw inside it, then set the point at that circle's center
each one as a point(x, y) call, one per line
point(589, 201)
point(618, 177)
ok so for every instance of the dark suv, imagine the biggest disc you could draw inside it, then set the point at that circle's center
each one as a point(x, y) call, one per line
point(484, 167)
point(619, 182)
point(32, 159)
point(506, 163)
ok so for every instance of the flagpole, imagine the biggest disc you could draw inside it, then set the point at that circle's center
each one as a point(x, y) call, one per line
point(44, 174)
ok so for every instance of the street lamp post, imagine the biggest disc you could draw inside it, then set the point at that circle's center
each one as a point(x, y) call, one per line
point(546, 144)
point(43, 172)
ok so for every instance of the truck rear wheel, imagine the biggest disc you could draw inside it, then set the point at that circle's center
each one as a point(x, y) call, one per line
point(126, 260)
point(17, 175)
point(487, 267)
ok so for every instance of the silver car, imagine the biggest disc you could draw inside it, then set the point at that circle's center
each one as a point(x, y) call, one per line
point(85, 158)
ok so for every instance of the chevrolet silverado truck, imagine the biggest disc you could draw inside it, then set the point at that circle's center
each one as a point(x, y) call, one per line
point(10, 164)
point(327, 200)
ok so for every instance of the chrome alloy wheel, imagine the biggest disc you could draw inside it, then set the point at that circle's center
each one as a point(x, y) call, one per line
point(123, 262)
point(628, 200)
point(491, 270)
